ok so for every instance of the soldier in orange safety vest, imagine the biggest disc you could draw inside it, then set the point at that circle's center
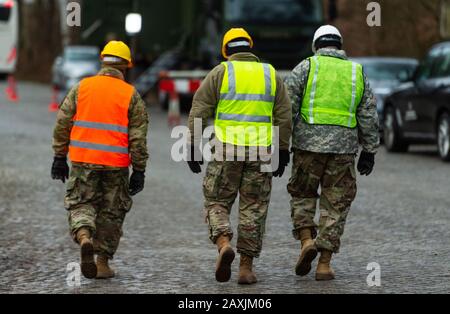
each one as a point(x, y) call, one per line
point(102, 125)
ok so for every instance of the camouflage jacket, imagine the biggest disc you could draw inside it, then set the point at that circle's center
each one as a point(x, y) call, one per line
point(138, 126)
point(329, 138)
point(207, 98)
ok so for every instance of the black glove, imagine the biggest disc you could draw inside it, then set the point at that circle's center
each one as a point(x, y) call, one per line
point(194, 165)
point(366, 163)
point(137, 182)
point(285, 158)
point(60, 169)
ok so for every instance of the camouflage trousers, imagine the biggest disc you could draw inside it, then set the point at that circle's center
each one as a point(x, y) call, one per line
point(223, 182)
point(336, 177)
point(98, 200)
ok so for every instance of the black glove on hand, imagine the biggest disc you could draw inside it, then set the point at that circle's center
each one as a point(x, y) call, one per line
point(285, 158)
point(366, 163)
point(60, 169)
point(137, 182)
point(194, 165)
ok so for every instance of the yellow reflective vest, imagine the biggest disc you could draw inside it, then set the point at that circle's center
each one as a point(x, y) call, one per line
point(335, 90)
point(245, 111)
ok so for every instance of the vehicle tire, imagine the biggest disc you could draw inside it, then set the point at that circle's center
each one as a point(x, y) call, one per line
point(443, 136)
point(392, 137)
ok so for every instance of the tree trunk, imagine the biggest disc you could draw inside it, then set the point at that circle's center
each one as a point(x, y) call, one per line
point(40, 38)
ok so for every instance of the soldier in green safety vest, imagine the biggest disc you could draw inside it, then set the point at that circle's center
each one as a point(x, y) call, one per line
point(334, 111)
point(246, 98)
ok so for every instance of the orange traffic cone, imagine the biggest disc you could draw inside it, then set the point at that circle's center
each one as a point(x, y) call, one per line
point(54, 106)
point(11, 89)
point(174, 110)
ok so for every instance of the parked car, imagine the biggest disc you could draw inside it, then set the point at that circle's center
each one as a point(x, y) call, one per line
point(75, 63)
point(419, 110)
point(385, 74)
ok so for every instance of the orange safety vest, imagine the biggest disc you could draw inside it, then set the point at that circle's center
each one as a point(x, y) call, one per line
point(100, 126)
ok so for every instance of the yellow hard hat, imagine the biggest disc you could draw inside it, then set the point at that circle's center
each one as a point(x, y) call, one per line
point(233, 34)
point(118, 49)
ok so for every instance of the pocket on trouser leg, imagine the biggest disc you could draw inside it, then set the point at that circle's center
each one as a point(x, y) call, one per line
point(125, 200)
point(82, 188)
point(116, 193)
point(212, 180)
point(305, 178)
point(256, 186)
point(72, 196)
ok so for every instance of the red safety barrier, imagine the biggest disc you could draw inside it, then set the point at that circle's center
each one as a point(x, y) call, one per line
point(11, 89)
point(173, 87)
point(174, 117)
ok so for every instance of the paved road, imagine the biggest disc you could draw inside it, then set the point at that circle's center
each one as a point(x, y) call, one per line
point(401, 220)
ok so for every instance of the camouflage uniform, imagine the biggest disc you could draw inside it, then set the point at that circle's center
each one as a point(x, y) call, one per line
point(97, 196)
point(221, 185)
point(324, 155)
point(98, 200)
point(225, 179)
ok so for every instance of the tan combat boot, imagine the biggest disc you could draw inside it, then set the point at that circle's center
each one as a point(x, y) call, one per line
point(225, 259)
point(246, 274)
point(308, 253)
point(103, 269)
point(324, 270)
point(88, 267)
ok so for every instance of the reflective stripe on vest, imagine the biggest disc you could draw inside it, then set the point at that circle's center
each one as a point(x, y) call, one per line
point(100, 128)
point(334, 91)
point(247, 96)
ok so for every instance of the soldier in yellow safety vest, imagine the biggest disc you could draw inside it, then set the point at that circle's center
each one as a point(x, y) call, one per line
point(246, 98)
point(334, 111)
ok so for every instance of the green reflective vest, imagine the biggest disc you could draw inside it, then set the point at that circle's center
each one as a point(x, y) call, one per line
point(334, 92)
point(247, 96)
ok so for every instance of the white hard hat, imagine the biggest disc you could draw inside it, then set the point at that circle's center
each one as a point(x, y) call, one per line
point(323, 31)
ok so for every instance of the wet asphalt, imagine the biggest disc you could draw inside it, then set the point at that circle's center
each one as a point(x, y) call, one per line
point(400, 220)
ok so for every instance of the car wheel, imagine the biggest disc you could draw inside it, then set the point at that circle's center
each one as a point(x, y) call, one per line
point(392, 139)
point(444, 137)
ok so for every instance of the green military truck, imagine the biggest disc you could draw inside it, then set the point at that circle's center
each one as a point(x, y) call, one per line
point(187, 34)
point(282, 29)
